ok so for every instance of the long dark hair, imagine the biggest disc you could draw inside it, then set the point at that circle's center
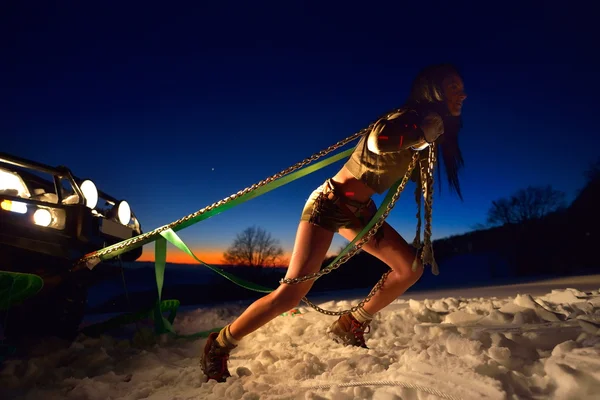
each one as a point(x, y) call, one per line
point(427, 93)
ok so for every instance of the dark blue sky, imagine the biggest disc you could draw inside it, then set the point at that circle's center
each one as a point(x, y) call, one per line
point(176, 107)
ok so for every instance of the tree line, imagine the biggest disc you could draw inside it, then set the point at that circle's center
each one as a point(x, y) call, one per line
point(255, 247)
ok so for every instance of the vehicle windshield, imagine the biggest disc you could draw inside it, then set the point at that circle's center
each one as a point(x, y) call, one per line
point(36, 185)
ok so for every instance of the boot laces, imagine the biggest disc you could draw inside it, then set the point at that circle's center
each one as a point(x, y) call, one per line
point(359, 330)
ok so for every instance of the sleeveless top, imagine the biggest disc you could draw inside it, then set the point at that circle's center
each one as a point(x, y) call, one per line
point(379, 171)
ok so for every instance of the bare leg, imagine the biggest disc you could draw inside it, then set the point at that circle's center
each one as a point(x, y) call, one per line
point(310, 249)
point(398, 255)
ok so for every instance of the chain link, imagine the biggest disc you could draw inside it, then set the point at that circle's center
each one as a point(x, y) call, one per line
point(144, 236)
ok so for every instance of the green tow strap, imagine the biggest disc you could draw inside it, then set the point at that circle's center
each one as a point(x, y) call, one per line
point(172, 237)
point(124, 319)
point(16, 287)
point(177, 242)
point(239, 200)
point(161, 324)
point(164, 325)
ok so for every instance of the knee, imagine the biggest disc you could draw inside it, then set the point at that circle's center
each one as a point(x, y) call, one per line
point(409, 276)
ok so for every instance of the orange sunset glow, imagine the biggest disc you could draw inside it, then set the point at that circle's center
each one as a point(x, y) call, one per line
point(175, 256)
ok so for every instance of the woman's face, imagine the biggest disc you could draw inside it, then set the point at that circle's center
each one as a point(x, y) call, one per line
point(454, 91)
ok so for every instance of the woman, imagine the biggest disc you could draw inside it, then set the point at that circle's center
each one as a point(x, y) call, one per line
point(343, 204)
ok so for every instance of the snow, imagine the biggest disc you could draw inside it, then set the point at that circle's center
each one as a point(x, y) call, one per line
point(538, 340)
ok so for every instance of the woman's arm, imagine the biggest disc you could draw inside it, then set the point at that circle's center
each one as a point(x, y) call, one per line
point(403, 131)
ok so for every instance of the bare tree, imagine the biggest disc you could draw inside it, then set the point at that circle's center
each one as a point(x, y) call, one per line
point(254, 247)
point(525, 205)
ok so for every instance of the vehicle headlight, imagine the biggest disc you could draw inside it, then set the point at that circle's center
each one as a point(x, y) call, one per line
point(42, 217)
point(90, 192)
point(123, 212)
point(14, 206)
point(50, 217)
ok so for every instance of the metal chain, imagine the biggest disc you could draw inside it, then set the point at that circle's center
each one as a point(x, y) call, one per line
point(427, 176)
point(357, 247)
point(418, 191)
point(364, 239)
point(355, 250)
point(360, 304)
point(136, 239)
point(426, 171)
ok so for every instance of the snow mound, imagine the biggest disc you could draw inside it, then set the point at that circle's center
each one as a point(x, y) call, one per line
point(462, 348)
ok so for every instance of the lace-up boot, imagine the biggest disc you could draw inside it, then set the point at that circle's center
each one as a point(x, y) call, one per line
point(214, 359)
point(349, 332)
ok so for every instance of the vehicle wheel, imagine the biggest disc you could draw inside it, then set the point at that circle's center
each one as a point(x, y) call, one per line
point(57, 313)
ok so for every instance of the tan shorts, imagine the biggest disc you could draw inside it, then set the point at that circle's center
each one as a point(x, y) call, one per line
point(331, 210)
